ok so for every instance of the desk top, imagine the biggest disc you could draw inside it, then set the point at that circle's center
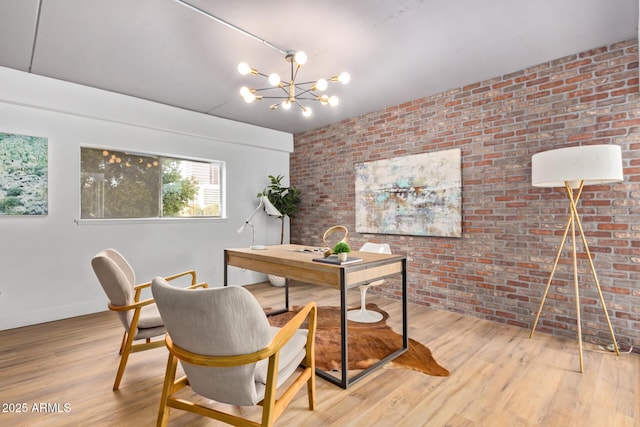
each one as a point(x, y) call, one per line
point(296, 262)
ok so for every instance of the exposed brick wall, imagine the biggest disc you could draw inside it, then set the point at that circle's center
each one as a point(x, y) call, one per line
point(511, 230)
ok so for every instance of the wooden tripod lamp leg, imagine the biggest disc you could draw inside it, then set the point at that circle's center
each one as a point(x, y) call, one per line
point(553, 270)
point(570, 225)
point(575, 277)
point(555, 264)
point(593, 272)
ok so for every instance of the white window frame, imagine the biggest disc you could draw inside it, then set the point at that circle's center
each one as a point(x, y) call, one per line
point(155, 219)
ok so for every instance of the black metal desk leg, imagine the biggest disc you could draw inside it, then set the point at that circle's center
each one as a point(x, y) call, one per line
point(343, 326)
point(405, 322)
point(226, 267)
point(286, 293)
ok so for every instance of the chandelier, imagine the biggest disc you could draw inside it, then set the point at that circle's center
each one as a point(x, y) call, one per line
point(291, 92)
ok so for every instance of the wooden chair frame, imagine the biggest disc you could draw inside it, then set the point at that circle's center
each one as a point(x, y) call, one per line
point(127, 346)
point(272, 408)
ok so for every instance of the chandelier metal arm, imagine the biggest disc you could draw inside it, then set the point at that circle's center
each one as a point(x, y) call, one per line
point(272, 88)
point(309, 83)
point(304, 91)
point(294, 75)
point(302, 107)
point(286, 97)
point(310, 95)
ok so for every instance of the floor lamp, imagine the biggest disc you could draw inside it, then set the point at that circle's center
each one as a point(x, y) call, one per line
point(269, 210)
point(573, 168)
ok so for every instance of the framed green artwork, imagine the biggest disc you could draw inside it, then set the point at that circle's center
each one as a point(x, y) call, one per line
point(23, 175)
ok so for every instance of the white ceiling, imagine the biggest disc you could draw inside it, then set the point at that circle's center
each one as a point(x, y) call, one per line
point(395, 50)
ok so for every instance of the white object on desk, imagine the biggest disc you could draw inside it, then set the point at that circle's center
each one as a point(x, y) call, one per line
point(363, 315)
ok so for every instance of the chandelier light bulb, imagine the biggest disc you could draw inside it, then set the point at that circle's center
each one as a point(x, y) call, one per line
point(344, 78)
point(274, 79)
point(244, 91)
point(249, 98)
point(301, 58)
point(243, 68)
point(306, 111)
point(321, 85)
point(286, 104)
point(333, 101)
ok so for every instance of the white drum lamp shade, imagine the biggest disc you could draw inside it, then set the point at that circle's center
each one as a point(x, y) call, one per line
point(593, 164)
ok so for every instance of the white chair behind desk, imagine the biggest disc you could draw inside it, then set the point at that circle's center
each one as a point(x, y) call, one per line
point(363, 315)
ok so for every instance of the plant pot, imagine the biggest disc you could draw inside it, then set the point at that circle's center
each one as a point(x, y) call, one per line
point(342, 256)
point(276, 280)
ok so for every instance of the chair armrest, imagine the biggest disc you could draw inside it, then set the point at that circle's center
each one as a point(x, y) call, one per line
point(141, 286)
point(131, 306)
point(286, 332)
point(198, 285)
point(138, 290)
point(184, 273)
point(216, 361)
point(168, 278)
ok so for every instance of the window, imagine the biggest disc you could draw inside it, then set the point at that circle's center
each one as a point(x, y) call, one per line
point(117, 184)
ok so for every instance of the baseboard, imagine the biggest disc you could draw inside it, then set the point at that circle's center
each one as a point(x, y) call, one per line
point(28, 318)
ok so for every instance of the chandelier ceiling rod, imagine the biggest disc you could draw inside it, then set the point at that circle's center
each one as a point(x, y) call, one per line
point(229, 25)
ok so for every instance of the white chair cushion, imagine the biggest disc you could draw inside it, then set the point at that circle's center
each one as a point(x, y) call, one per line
point(150, 317)
point(143, 334)
point(288, 355)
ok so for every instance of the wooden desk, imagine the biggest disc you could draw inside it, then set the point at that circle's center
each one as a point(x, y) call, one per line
point(291, 262)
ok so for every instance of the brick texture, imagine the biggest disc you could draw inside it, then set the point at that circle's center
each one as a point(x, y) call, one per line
point(511, 231)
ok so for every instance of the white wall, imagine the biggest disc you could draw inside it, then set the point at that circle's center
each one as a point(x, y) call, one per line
point(45, 271)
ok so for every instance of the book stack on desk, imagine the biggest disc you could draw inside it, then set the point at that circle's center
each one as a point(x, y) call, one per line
point(333, 259)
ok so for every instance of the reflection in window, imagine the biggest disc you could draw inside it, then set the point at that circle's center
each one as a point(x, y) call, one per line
point(116, 184)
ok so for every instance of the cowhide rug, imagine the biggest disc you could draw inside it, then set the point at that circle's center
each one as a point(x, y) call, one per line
point(368, 343)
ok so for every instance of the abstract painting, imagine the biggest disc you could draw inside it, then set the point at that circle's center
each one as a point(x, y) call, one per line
point(419, 195)
point(23, 175)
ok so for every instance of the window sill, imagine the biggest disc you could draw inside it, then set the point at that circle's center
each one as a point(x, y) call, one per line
point(118, 221)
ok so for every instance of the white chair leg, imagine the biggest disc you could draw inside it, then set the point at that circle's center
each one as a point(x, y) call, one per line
point(363, 315)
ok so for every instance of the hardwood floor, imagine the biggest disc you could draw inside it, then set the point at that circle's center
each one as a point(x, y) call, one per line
point(61, 374)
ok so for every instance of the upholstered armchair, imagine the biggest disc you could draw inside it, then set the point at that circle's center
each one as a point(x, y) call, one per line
point(230, 353)
point(140, 319)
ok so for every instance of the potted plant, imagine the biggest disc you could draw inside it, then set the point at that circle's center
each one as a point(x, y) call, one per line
point(286, 200)
point(342, 249)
